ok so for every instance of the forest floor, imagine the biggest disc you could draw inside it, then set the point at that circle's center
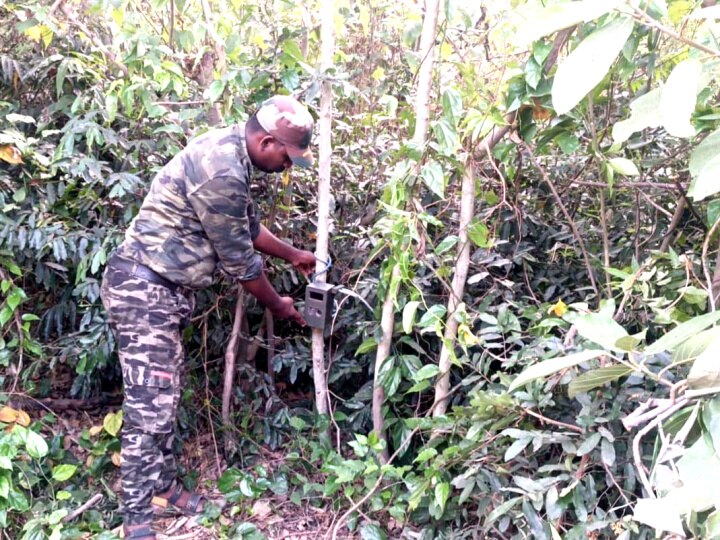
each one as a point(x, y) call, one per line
point(276, 516)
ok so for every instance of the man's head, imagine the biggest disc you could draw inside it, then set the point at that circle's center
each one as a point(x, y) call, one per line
point(278, 135)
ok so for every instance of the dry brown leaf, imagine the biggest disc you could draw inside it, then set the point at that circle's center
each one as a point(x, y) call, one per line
point(8, 415)
point(116, 458)
point(261, 509)
point(10, 154)
point(95, 430)
point(89, 460)
point(23, 418)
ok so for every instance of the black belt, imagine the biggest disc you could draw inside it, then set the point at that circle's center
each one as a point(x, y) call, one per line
point(140, 270)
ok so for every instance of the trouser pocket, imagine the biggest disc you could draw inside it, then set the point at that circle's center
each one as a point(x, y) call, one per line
point(149, 399)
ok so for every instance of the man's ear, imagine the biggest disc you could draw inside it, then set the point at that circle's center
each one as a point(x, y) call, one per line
point(266, 141)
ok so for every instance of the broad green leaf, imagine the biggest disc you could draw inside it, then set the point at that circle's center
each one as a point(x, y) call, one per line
point(607, 452)
point(516, 447)
point(434, 178)
point(541, 22)
point(447, 243)
point(661, 514)
point(111, 106)
point(548, 367)
point(501, 510)
point(408, 317)
point(113, 422)
point(694, 347)
point(442, 491)
point(682, 332)
point(4, 486)
point(452, 105)
point(588, 63)
point(479, 234)
point(711, 419)
point(425, 455)
point(35, 444)
point(705, 152)
point(589, 444)
point(601, 329)
point(707, 182)
point(63, 472)
point(644, 113)
point(5, 463)
point(596, 377)
point(368, 345)
point(371, 531)
point(624, 166)
point(679, 95)
point(215, 90)
point(426, 372)
point(705, 371)
point(432, 316)
point(698, 464)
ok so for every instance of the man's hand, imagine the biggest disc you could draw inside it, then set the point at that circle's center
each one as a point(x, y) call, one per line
point(304, 261)
point(285, 309)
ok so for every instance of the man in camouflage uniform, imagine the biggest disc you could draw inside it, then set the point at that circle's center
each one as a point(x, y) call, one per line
point(198, 216)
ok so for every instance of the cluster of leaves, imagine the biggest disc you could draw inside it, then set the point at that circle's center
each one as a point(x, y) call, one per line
point(84, 127)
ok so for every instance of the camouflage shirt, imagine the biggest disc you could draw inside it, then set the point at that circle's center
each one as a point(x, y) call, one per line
point(199, 214)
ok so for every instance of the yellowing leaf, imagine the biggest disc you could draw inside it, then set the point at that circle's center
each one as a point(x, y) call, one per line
point(258, 40)
point(560, 308)
point(378, 74)
point(466, 336)
point(286, 178)
point(116, 459)
point(95, 430)
point(40, 32)
point(10, 154)
point(23, 418)
point(8, 415)
point(113, 422)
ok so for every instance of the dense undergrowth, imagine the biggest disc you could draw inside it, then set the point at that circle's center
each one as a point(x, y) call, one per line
point(589, 293)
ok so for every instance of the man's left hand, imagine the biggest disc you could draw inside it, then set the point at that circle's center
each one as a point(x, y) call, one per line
point(304, 261)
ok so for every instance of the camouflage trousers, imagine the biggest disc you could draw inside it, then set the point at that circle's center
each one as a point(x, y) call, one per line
point(147, 320)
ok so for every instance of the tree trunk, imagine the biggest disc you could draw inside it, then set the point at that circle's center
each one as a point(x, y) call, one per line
point(467, 210)
point(327, 39)
point(422, 113)
point(230, 362)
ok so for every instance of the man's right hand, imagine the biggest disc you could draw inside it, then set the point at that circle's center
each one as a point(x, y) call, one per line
point(285, 309)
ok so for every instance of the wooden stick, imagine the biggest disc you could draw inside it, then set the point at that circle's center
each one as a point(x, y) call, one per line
point(230, 360)
point(92, 501)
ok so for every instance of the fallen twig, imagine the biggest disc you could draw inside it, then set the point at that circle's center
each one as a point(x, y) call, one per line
point(92, 501)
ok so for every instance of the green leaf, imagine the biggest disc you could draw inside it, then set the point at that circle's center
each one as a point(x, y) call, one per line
point(568, 142)
point(19, 195)
point(442, 492)
point(516, 447)
point(644, 113)
point(452, 105)
point(548, 367)
point(662, 514)
point(711, 419)
point(368, 345)
point(111, 106)
point(432, 316)
point(15, 298)
point(5, 463)
point(601, 329)
point(408, 316)
point(698, 464)
point(558, 16)
point(371, 531)
point(707, 182)
point(589, 444)
point(679, 95)
point(63, 472)
point(705, 371)
point(215, 90)
point(588, 63)
point(35, 444)
point(692, 348)
point(4, 486)
point(434, 178)
point(705, 152)
point(426, 372)
point(447, 243)
point(682, 333)
point(113, 422)
point(607, 452)
point(596, 377)
point(501, 510)
point(479, 234)
point(624, 166)
point(425, 455)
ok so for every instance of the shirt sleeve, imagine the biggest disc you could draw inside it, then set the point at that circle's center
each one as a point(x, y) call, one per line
point(228, 217)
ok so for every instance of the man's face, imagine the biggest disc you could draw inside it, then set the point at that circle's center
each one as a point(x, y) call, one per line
point(269, 155)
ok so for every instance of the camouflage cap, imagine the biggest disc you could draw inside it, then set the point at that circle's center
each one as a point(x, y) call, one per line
point(289, 122)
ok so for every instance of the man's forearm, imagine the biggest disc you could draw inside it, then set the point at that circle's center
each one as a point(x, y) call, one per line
point(261, 289)
point(269, 244)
